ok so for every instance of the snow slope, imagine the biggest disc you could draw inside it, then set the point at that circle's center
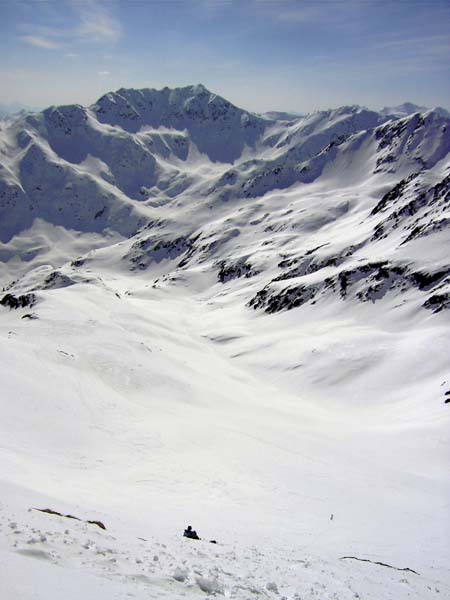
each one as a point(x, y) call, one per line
point(249, 337)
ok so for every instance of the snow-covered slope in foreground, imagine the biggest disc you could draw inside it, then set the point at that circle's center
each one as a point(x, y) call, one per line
point(258, 348)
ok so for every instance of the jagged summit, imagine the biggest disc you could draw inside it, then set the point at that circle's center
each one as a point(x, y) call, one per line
point(187, 91)
point(219, 128)
point(146, 100)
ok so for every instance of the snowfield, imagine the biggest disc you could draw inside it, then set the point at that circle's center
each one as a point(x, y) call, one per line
point(215, 318)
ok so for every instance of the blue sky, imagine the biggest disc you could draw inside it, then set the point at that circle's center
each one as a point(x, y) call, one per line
point(260, 54)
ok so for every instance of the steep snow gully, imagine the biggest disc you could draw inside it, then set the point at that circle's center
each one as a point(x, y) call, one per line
point(229, 320)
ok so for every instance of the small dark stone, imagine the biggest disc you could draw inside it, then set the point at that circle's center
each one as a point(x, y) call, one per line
point(77, 263)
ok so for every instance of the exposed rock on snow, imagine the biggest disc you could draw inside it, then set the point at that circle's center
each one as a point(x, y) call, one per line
point(367, 282)
point(438, 302)
point(11, 301)
point(241, 268)
point(49, 511)
point(145, 251)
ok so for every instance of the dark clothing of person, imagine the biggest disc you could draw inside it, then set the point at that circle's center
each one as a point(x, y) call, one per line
point(191, 533)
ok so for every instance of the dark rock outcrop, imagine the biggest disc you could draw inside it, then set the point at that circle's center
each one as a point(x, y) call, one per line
point(367, 282)
point(14, 302)
point(228, 271)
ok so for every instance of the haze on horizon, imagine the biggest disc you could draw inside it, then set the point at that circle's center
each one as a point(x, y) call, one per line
point(260, 54)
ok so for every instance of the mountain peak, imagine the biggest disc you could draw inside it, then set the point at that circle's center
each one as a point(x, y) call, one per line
point(217, 127)
point(403, 110)
point(166, 92)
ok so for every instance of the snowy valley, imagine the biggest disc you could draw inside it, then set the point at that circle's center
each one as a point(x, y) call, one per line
point(230, 320)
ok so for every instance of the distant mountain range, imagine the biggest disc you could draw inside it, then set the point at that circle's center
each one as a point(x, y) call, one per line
point(13, 108)
point(140, 157)
point(408, 108)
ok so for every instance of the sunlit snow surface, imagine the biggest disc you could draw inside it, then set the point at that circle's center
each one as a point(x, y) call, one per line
point(141, 389)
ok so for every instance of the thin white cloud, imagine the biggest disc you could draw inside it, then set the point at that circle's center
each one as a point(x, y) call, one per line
point(92, 21)
point(104, 73)
point(98, 23)
point(39, 41)
point(431, 46)
point(295, 12)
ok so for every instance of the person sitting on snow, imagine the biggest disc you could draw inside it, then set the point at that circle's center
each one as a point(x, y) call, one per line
point(191, 533)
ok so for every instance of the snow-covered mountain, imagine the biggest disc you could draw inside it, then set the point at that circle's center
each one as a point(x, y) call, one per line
point(408, 108)
point(403, 110)
point(13, 108)
point(277, 115)
point(230, 319)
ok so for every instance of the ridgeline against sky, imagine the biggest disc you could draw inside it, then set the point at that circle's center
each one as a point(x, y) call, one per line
point(284, 55)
